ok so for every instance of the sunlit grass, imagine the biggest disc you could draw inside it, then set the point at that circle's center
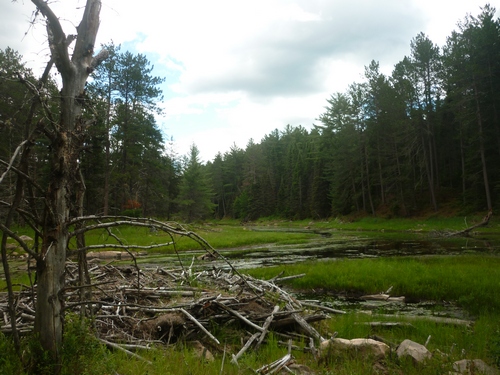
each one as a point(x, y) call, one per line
point(471, 280)
point(220, 237)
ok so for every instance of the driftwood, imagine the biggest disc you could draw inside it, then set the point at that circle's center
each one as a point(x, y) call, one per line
point(244, 348)
point(276, 366)
point(132, 308)
point(431, 318)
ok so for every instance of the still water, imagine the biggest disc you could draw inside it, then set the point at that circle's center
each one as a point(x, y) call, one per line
point(361, 245)
point(352, 245)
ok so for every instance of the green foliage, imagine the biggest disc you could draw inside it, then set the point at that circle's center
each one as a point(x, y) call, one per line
point(82, 353)
point(241, 206)
point(467, 280)
point(393, 145)
point(195, 195)
point(129, 160)
point(132, 212)
point(494, 344)
point(10, 363)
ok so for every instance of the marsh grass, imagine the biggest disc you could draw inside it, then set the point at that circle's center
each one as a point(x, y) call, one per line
point(220, 237)
point(473, 281)
point(20, 278)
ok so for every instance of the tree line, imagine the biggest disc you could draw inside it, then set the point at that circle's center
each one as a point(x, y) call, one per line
point(426, 136)
point(399, 143)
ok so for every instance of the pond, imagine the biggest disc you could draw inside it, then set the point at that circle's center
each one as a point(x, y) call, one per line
point(353, 245)
point(345, 244)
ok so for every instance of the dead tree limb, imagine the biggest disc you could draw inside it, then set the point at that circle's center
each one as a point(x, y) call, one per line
point(484, 222)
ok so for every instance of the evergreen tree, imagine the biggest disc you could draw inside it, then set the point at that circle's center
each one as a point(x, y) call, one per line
point(137, 171)
point(195, 192)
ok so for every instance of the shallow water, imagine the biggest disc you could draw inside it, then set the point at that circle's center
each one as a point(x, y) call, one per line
point(352, 245)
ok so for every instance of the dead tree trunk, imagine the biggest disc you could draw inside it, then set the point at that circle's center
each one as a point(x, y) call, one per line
point(66, 139)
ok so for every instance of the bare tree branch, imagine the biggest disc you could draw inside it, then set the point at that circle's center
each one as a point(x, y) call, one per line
point(19, 240)
point(23, 175)
point(57, 38)
point(12, 159)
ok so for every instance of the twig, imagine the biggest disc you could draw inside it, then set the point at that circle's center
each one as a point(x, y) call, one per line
point(193, 319)
point(244, 348)
point(128, 352)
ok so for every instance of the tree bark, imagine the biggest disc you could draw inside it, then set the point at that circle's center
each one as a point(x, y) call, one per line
point(67, 138)
point(482, 148)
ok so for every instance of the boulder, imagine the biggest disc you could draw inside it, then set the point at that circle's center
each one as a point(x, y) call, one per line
point(202, 352)
point(362, 347)
point(409, 348)
point(473, 366)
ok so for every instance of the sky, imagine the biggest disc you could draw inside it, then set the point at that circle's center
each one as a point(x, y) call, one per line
point(236, 70)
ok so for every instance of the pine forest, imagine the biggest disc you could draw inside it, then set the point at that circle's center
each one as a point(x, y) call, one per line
point(426, 137)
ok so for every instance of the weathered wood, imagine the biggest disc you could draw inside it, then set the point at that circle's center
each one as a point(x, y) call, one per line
point(307, 327)
point(193, 319)
point(376, 297)
point(122, 312)
point(266, 325)
point(275, 366)
point(112, 345)
point(292, 277)
point(437, 319)
point(320, 307)
point(387, 324)
point(244, 348)
point(239, 316)
point(467, 231)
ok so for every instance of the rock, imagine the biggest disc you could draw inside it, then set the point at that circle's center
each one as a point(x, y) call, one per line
point(26, 238)
point(11, 246)
point(409, 348)
point(473, 366)
point(362, 347)
point(202, 352)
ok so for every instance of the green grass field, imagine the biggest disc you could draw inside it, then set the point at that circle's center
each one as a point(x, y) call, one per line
point(471, 281)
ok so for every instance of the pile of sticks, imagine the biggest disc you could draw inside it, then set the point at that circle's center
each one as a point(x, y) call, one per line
point(134, 308)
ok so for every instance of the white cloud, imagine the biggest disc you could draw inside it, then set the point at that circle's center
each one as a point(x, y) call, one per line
point(240, 69)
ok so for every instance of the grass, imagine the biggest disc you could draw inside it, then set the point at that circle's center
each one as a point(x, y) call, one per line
point(370, 223)
point(219, 236)
point(471, 280)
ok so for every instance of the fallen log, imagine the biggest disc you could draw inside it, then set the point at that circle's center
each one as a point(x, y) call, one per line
point(320, 307)
point(436, 319)
point(483, 223)
point(275, 366)
point(192, 318)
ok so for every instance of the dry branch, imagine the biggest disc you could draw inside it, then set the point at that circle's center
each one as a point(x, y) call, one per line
point(467, 231)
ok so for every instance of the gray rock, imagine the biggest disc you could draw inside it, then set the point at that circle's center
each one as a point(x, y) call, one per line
point(473, 366)
point(409, 348)
point(362, 347)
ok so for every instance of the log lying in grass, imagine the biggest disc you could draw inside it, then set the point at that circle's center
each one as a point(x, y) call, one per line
point(467, 231)
point(431, 318)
